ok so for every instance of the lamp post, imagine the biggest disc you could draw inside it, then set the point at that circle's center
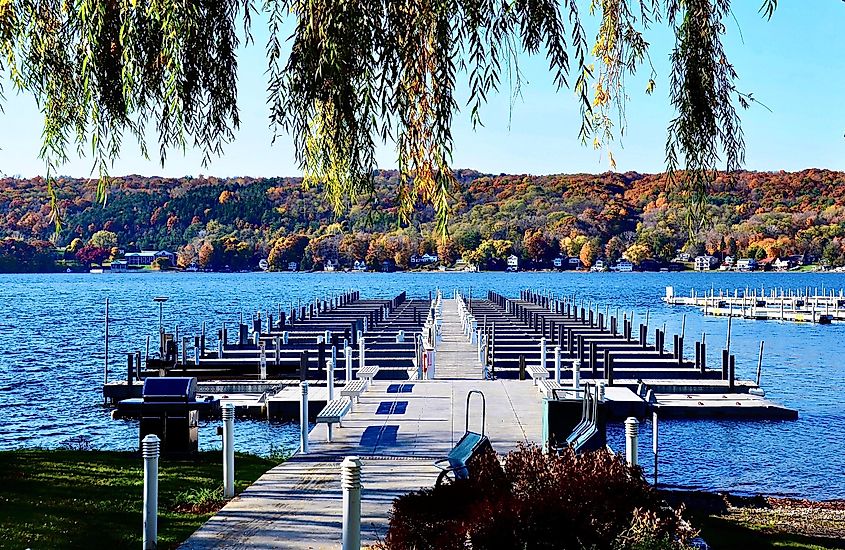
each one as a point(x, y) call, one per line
point(160, 300)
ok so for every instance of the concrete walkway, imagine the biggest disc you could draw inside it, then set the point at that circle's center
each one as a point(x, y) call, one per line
point(398, 429)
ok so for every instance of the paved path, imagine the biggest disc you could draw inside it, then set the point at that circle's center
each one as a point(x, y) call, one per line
point(398, 429)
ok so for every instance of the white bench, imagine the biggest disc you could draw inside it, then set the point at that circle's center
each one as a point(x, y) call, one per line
point(354, 389)
point(548, 386)
point(536, 372)
point(367, 372)
point(333, 413)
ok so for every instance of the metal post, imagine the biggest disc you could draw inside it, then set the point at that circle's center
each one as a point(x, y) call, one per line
point(632, 427)
point(228, 450)
point(361, 352)
point(303, 418)
point(654, 443)
point(150, 451)
point(350, 481)
point(263, 360)
point(543, 353)
point(760, 363)
point(106, 358)
point(557, 364)
point(330, 389)
point(576, 374)
point(347, 355)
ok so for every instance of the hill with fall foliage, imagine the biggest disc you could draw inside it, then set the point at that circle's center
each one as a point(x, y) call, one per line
point(237, 221)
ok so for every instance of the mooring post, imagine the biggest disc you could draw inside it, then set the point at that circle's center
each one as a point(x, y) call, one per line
point(542, 355)
point(361, 360)
point(303, 418)
point(522, 367)
point(731, 371)
point(347, 356)
point(725, 361)
point(557, 364)
point(228, 413)
point(576, 375)
point(150, 446)
point(106, 355)
point(632, 428)
point(262, 360)
point(330, 390)
point(350, 481)
point(760, 363)
point(130, 363)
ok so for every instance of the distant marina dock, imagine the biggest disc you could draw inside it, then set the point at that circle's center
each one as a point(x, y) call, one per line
point(803, 305)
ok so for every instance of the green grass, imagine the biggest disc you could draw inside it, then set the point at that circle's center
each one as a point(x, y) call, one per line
point(93, 499)
point(728, 534)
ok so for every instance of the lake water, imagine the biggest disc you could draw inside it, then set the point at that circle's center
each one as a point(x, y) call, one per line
point(51, 362)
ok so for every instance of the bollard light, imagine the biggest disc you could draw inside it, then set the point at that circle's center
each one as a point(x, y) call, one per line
point(303, 418)
point(350, 481)
point(632, 429)
point(228, 450)
point(150, 446)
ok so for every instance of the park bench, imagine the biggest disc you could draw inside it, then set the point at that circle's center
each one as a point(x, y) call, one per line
point(333, 413)
point(536, 372)
point(367, 372)
point(354, 389)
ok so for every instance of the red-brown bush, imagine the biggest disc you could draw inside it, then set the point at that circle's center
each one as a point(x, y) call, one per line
point(538, 501)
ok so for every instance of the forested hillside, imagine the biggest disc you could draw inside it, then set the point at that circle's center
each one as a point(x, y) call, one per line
point(235, 222)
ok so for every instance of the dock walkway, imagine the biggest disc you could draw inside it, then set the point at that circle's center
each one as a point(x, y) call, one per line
point(398, 429)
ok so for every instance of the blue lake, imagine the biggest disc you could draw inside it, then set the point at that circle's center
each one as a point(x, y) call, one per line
point(51, 362)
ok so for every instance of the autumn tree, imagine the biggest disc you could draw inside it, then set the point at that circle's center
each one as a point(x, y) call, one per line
point(589, 252)
point(103, 239)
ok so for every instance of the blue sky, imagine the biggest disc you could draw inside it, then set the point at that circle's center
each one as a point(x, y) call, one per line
point(793, 64)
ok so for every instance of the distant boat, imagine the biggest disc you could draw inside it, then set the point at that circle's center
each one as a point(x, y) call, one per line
point(96, 271)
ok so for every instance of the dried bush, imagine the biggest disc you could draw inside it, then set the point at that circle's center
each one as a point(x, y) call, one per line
point(538, 501)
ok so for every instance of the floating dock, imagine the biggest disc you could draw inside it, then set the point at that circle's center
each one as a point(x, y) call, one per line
point(819, 306)
point(399, 428)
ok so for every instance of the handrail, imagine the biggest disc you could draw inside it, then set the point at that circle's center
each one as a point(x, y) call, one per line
point(483, 410)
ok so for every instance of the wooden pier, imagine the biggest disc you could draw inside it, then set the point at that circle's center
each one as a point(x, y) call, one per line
point(807, 305)
point(399, 428)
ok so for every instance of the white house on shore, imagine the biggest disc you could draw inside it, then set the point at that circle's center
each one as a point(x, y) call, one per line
point(513, 263)
point(147, 257)
point(706, 263)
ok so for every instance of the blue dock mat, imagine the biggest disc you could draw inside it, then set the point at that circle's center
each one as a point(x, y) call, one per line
point(379, 435)
point(400, 388)
point(392, 407)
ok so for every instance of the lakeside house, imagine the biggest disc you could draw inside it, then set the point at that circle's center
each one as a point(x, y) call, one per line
point(706, 262)
point(623, 266)
point(574, 263)
point(746, 264)
point(558, 262)
point(293, 266)
point(359, 265)
point(513, 263)
point(118, 266)
point(424, 259)
point(599, 266)
point(147, 257)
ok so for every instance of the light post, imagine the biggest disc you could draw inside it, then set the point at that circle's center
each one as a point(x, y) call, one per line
point(160, 300)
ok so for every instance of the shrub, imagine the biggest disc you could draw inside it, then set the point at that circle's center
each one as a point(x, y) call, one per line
point(538, 500)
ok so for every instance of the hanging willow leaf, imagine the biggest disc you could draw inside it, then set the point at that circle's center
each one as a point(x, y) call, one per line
point(358, 73)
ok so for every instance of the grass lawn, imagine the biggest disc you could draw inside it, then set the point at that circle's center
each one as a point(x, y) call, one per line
point(727, 533)
point(93, 499)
